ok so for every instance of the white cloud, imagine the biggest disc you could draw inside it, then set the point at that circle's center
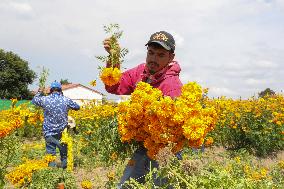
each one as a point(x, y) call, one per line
point(253, 81)
point(16, 11)
point(87, 52)
point(178, 39)
point(259, 81)
point(280, 4)
point(21, 7)
point(221, 91)
point(266, 64)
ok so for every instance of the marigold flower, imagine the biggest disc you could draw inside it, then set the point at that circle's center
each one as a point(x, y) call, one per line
point(111, 175)
point(114, 156)
point(209, 141)
point(93, 83)
point(86, 184)
point(69, 142)
point(110, 76)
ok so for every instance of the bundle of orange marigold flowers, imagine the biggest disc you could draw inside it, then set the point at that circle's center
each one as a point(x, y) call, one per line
point(158, 121)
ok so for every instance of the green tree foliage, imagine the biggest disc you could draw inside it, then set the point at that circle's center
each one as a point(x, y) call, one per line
point(64, 81)
point(266, 92)
point(15, 76)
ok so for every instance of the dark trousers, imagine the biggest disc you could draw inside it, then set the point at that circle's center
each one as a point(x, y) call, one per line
point(51, 142)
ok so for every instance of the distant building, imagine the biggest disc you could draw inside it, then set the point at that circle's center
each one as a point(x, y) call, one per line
point(80, 93)
point(122, 98)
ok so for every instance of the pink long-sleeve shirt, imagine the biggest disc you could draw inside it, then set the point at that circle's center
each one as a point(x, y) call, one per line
point(166, 80)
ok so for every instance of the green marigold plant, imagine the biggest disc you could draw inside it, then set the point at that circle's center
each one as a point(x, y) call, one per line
point(50, 177)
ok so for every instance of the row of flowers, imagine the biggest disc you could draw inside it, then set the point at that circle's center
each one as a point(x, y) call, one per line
point(157, 121)
point(23, 173)
point(256, 124)
point(17, 117)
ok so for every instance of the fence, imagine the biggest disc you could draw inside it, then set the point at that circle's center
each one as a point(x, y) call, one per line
point(6, 104)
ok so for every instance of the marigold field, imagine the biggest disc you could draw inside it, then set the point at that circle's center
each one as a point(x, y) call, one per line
point(225, 143)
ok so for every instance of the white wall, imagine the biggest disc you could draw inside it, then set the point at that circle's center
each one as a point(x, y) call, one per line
point(83, 93)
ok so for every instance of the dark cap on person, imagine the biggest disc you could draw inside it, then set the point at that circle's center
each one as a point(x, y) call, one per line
point(165, 39)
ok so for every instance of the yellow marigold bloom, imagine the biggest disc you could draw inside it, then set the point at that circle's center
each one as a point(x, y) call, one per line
point(228, 168)
point(88, 132)
point(205, 90)
point(49, 158)
point(255, 175)
point(93, 83)
point(67, 139)
point(247, 169)
point(234, 126)
point(263, 172)
point(110, 76)
point(14, 102)
point(114, 156)
point(238, 159)
point(86, 184)
point(209, 141)
point(258, 175)
point(111, 175)
point(281, 164)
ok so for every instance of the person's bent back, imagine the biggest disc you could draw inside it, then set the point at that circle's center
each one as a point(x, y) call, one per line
point(55, 108)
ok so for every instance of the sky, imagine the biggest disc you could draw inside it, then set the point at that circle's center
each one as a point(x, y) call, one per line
point(233, 47)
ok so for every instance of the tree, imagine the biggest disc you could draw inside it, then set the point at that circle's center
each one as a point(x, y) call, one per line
point(64, 81)
point(266, 92)
point(15, 76)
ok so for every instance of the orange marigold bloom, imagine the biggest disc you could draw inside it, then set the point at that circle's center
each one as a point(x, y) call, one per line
point(110, 76)
point(93, 83)
point(209, 141)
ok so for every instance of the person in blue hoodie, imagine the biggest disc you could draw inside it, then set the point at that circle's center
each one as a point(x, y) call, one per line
point(55, 107)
